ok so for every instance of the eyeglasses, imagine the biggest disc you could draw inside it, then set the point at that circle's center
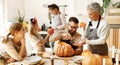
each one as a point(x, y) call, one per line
point(74, 27)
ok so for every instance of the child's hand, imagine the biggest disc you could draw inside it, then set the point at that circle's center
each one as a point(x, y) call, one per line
point(22, 40)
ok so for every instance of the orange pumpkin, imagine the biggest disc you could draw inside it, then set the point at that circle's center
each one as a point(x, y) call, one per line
point(83, 24)
point(63, 49)
point(108, 60)
point(86, 53)
point(94, 59)
point(50, 30)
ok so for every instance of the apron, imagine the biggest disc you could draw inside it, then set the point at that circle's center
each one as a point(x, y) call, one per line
point(91, 34)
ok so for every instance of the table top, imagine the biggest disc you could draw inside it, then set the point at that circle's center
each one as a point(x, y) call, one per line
point(50, 55)
point(43, 32)
point(67, 60)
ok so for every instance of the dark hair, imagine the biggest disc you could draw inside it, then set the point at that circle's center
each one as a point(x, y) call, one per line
point(32, 29)
point(33, 21)
point(53, 6)
point(74, 19)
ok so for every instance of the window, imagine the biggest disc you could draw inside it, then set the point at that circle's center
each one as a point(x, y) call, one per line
point(1, 12)
point(3, 17)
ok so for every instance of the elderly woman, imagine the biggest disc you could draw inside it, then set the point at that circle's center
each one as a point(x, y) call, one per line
point(97, 30)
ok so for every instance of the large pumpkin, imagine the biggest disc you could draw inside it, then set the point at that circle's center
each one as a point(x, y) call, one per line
point(108, 60)
point(63, 49)
point(94, 59)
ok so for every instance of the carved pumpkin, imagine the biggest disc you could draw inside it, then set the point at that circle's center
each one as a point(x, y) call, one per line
point(94, 59)
point(63, 49)
point(86, 53)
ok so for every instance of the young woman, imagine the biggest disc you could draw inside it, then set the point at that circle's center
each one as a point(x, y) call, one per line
point(57, 19)
point(14, 43)
point(37, 40)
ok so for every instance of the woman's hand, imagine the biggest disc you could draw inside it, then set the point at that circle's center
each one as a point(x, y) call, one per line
point(22, 40)
point(11, 60)
point(81, 42)
point(40, 43)
point(22, 51)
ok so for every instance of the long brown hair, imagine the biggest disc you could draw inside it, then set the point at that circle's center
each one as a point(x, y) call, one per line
point(14, 27)
point(33, 28)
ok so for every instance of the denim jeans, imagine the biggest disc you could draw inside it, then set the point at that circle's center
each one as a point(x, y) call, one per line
point(52, 46)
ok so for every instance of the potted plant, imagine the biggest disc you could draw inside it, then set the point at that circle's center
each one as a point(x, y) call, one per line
point(20, 18)
point(105, 5)
point(114, 10)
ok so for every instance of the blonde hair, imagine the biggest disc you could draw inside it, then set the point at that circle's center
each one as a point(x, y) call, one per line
point(33, 32)
point(14, 27)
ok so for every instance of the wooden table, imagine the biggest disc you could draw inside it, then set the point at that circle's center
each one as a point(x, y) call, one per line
point(48, 55)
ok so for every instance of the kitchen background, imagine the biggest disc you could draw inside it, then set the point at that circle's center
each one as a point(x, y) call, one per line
point(38, 8)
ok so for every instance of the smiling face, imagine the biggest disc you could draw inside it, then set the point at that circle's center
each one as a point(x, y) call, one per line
point(54, 11)
point(20, 34)
point(72, 27)
point(93, 15)
point(17, 30)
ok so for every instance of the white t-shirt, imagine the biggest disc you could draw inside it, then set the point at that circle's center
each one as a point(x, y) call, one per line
point(57, 20)
point(34, 41)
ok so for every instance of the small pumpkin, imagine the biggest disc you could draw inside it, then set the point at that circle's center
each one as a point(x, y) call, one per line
point(50, 30)
point(82, 24)
point(25, 26)
point(63, 49)
point(94, 59)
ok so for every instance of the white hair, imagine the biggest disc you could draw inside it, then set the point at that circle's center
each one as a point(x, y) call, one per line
point(94, 6)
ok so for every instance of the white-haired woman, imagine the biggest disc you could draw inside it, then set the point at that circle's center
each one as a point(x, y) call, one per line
point(97, 30)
